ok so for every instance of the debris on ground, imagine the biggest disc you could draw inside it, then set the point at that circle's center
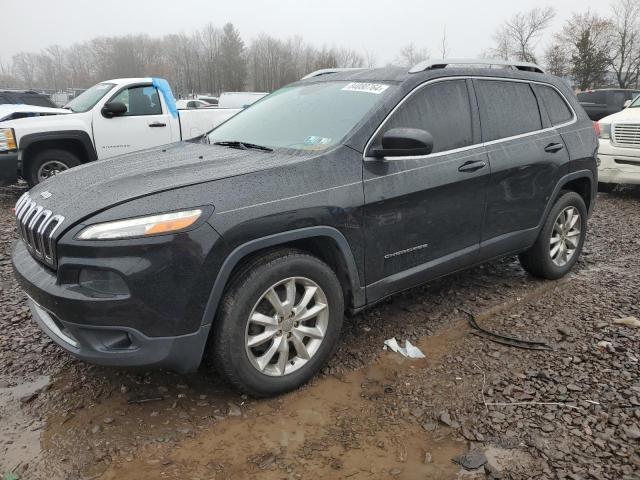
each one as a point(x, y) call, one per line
point(632, 322)
point(471, 460)
point(409, 350)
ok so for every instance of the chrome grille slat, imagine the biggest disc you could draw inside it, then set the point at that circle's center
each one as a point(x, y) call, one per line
point(626, 134)
point(37, 227)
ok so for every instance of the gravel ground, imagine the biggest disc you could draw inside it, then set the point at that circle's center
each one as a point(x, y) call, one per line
point(572, 412)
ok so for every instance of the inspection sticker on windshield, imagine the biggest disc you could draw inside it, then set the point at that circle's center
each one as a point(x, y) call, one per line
point(375, 88)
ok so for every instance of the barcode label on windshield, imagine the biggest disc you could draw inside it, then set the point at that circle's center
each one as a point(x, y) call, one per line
point(375, 88)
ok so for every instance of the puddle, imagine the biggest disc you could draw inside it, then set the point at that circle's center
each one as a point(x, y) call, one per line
point(331, 429)
point(19, 430)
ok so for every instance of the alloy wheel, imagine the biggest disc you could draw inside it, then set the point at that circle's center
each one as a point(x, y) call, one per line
point(286, 326)
point(565, 236)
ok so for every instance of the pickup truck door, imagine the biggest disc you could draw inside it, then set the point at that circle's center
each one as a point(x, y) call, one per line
point(145, 124)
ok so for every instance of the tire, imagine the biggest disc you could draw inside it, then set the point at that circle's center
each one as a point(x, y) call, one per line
point(55, 159)
point(538, 260)
point(239, 363)
point(606, 187)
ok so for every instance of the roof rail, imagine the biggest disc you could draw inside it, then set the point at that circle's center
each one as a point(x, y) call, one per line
point(445, 62)
point(329, 71)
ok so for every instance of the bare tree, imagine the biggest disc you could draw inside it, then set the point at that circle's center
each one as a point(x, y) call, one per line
point(503, 49)
point(625, 51)
point(410, 55)
point(518, 37)
point(370, 59)
point(444, 44)
point(556, 60)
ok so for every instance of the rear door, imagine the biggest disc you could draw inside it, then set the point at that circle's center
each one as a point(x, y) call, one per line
point(527, 157)
point(146, 124)
point(424, 214)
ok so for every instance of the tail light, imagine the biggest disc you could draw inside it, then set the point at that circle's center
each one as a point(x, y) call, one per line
point(596, 128)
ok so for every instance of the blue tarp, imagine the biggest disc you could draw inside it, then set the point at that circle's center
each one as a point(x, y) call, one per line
point(162, 85)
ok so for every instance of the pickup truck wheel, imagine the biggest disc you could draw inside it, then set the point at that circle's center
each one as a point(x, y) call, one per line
point(560, 241)
point(279, 323)
point(48, 163)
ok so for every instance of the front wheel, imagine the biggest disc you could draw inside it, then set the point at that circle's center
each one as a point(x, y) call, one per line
point(560, 241)
point(279, 323)
point(48, 163)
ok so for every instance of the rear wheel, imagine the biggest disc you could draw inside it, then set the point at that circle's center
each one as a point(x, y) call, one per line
point(279, 323)
point(48, 163)
point(560, 241)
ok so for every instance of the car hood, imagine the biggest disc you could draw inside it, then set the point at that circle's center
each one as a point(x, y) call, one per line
point(91, 188)
point(626, 115)
point(7, 110)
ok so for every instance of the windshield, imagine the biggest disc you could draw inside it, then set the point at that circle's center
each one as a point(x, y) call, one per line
point(313, 116)
point(87, 99)
point(635, 103)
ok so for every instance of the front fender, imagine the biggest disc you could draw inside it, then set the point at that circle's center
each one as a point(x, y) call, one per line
point(242, 251)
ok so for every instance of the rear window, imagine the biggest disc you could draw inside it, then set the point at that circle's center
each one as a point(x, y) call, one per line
point(557, 108)
point(507, 109)
point(4, 100)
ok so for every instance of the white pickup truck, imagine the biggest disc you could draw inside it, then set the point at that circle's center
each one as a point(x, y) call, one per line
point(111, 118)
point(619, 151)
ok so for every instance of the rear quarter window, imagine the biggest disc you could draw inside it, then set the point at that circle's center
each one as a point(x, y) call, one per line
point(557, 108)
point(507, 109)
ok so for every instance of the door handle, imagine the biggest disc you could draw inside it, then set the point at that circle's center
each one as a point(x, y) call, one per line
point(553, 147)
point(472, 166)
point(157, 124)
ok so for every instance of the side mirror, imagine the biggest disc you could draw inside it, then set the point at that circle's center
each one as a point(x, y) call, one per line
point(626, 104)
point(404, 142)
point(113, 109)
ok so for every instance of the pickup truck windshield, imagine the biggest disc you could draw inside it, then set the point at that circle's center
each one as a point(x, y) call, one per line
point(635, 103)
point(312, 116)
point(87, 99)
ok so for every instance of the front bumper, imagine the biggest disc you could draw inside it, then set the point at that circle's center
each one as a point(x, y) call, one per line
point(8, 168)
point(617, 164)
point(123, 346)
point(158, 323)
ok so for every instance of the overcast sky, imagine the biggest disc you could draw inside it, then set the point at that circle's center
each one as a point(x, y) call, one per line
point(380, 27)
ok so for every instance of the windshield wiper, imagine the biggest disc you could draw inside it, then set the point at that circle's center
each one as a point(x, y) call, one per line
point(244, 146)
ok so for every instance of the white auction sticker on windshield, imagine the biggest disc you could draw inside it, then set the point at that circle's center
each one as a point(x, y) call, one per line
point(375, 88)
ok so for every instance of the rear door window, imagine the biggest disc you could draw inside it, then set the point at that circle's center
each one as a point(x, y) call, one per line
point(557, 108)
point(507, 109)
point(442, 109)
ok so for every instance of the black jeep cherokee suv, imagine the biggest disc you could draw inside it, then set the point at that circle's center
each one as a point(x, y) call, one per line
point(324, 197)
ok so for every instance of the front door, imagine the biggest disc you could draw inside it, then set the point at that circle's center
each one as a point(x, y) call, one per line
point(144, 125)
point(424, 215)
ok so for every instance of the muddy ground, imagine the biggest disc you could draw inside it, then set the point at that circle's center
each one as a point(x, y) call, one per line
point(572, 412)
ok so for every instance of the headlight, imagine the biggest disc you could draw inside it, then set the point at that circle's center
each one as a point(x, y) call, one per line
point(141, 226)
point(605, 131)
point(7, 140)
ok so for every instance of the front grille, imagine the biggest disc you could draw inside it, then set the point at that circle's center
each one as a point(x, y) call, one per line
point(626, 134)
point(37, 227)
